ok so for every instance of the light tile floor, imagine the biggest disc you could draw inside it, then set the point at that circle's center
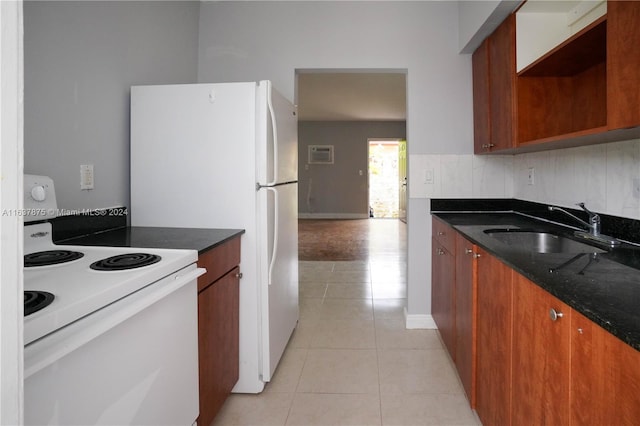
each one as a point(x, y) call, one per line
point(352, 362)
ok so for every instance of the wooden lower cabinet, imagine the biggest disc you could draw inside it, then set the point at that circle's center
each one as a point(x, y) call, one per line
point(218, 327)
point(540, 356)
point(605, 376)
point(465, 313)
point(442, 294)
point(519, 362)
point(494, 331)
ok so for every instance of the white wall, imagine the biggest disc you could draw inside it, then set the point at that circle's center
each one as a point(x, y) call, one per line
point(81, 57)
point(478, 18)
point(270, 40)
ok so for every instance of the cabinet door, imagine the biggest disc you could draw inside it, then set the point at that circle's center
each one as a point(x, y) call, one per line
point(218, 350)
point(502, 84)
point(465, 313)
point(494, 331)
point(623, 63)
point(540, 383)
point(481, 99)
point(605, 376)
point(442, 294)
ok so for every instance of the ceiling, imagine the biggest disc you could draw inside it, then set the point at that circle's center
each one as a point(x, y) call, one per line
point(352, 96)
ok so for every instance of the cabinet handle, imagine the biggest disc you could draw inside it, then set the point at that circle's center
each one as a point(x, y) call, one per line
point(440, 233)
point(468, 251)
point(488, 145)
point(554, 315)
point(239, 275)
point(440, 252)
point(476, 255)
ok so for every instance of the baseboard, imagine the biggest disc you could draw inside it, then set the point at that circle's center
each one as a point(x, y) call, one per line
point(419, 321)
point(333, 216)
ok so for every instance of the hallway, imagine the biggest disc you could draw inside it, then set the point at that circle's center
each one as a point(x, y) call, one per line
point(351, 361)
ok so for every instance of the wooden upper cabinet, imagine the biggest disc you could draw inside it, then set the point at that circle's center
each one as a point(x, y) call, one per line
point(623, 64)
point(494, 90)
point(502, 83)
point(540, 386)
point(481, 98)
point(605, 376)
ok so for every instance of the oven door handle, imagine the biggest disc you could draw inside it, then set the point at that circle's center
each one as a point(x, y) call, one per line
point(49, 349)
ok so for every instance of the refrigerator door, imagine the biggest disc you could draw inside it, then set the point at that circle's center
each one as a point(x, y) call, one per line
point(193, 165)
point(278, 260)
point(277, 137)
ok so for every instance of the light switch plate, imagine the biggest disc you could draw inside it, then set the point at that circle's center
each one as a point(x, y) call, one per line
point(531, 178)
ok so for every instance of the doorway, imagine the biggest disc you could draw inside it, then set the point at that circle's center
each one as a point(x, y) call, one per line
point(387, 178)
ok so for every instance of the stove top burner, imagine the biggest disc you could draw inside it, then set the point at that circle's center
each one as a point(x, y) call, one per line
point(50, 257)
point(36, 300)
point(125, 261)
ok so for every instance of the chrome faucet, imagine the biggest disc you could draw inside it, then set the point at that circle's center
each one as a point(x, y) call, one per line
point(593, 226)
point(594, 219)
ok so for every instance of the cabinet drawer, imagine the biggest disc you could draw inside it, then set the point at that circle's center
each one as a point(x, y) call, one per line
point(218, 261)
point(444, 234)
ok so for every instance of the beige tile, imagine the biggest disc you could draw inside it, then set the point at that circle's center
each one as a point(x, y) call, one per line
point(310, 289)
point(349, 277)
point(340, 371)
point(311, 266)
point(344, 334)
point(314, 276)
point(392, 334)
point(310, 310)
point(332, 409)
point(389, 308)
point(349, 291)
point(288, 371)
point(389, 290)
point(416, 371)
point(302, 335)
point(261, 409)
point(333, 309)
point(426, 409)
point(355, 265)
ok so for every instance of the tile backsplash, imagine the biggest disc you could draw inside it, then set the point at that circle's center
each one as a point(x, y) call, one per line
point(602, 176)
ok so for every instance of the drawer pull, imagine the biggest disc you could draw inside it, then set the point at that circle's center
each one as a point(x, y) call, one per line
point(554, 315)
point(440, 233)
point(488, 145)
point(476, 255)
point(440, 252)
point(468, 251)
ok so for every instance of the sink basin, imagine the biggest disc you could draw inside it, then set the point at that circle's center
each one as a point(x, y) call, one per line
point(539, 242)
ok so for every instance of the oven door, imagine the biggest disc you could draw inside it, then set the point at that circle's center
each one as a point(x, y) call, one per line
point(132, 362)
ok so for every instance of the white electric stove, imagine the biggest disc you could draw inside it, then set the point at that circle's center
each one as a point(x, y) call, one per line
point(110, 333)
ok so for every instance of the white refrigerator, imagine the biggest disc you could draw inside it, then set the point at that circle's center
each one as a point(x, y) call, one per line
point(225, 156)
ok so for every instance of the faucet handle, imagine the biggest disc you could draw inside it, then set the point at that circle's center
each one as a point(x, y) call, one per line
point(593, 217)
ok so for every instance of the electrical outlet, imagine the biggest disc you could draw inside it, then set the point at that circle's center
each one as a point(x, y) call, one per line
point(531, 178)
point(86, 176)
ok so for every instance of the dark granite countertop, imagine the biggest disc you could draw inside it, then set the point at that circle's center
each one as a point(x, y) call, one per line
point(199, 239)
point(603, 285)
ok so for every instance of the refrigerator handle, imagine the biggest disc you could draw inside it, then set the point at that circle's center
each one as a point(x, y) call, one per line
point(275, 134)
point(274, 251)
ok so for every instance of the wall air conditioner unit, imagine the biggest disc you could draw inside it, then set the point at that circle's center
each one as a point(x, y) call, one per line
point(320, 154)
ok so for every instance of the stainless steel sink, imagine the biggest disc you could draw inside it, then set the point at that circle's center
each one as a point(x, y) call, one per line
point(539, 242)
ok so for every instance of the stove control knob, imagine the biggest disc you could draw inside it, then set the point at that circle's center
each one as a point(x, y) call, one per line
point(38, 193)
